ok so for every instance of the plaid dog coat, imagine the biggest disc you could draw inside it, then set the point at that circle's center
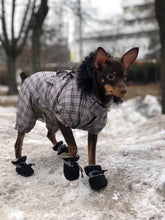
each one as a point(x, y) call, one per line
point(55, 95)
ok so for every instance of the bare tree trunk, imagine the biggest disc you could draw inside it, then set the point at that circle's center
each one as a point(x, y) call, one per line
point(13, 45)
point(38, 19)
point(11, 75)
point(36, 50)
point(162, 77)
point(160, 14)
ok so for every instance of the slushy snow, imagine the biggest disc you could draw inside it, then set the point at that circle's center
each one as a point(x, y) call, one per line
point(132, 149)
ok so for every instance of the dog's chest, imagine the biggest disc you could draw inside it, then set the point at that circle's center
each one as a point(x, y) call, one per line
point(79, 111)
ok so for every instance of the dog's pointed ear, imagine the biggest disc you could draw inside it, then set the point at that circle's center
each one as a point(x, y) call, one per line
point(100, 57)
point(129, 57)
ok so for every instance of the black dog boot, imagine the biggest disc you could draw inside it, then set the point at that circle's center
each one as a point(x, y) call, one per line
point(60, 148)
point(19, 160)
point(71, 168)
point(24, 169)
point(96, 175)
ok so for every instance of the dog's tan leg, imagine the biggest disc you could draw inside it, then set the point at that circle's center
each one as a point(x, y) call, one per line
point(92, 140)
point(18, 144)
point(51, 136)
point(69, 138)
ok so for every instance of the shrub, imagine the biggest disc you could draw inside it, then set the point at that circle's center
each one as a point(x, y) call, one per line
point(144, 73)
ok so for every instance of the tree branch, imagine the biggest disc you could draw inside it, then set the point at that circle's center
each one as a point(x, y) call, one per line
point(24, 20)
point(5, 41)
point(40, 15)
point(12, 23)
point(27, 29)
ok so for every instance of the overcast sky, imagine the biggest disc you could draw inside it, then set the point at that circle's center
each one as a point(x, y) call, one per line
point(107, 7)
point(104, 10)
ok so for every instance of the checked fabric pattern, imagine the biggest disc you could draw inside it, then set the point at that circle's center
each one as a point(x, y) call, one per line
point(54, 95)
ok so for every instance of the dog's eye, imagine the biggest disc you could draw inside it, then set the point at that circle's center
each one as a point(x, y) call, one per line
point(111, 76)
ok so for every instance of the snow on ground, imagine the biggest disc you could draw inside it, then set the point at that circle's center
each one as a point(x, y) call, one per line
point(3, 88)
point(8, 100)
point(131, 148)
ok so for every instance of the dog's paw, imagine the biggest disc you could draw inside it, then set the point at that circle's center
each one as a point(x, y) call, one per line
point(24, 169)
point(71, 168)
point(97, 179)
point(19, 160)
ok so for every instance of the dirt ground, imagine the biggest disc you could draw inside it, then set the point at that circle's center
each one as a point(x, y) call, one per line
point(142, 90)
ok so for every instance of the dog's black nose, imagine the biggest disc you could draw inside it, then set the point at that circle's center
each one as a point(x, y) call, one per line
point(123, 88)
point(124, 91)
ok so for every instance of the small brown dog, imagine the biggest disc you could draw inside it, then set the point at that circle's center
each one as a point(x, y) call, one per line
point(69, 100)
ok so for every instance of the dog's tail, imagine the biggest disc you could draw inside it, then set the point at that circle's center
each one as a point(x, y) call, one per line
point(23, 76)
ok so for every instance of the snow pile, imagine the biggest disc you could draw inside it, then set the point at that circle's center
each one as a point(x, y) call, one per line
point(131, 148)
point(148, 106)
point(7, 110)
point(123, 118)
point(8, 100)
point(3, 88)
